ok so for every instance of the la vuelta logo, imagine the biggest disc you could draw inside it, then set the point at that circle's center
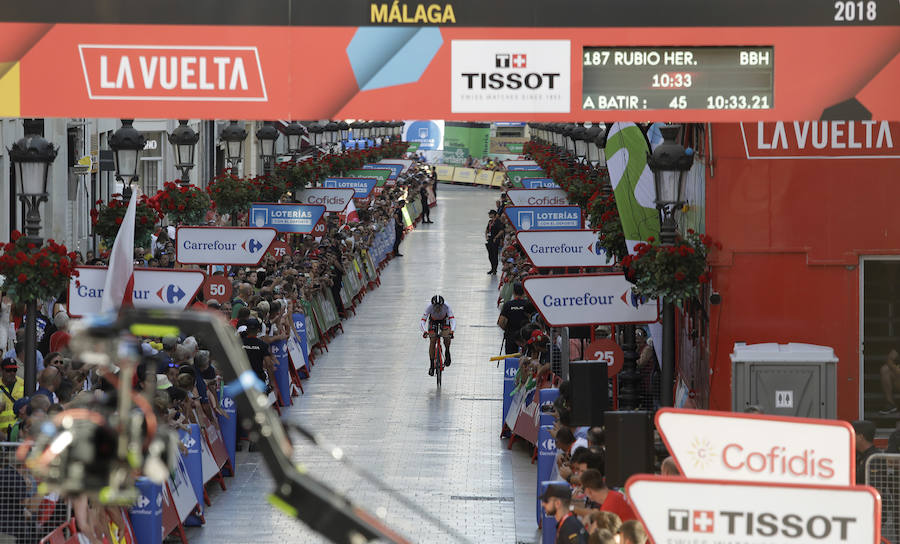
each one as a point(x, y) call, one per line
point(164, 72)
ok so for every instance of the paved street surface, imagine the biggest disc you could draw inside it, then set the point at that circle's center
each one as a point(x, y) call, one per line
point(372, 396)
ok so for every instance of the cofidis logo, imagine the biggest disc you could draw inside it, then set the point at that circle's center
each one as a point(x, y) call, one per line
point(172, 72)
point(510, 76)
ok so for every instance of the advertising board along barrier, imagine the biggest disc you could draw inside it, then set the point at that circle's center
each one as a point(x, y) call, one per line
point(568, 300)
point(406, 163)
point(538, 183)
point(516, 176)
point(538, 197)
point(552, 248)
point(709, 512)
point(153, 288)
point(545, 217)
point(334, 200)
point(222, 245)
point(296, 218)
point(362, 186)
point(396, 169)
point(759, 448)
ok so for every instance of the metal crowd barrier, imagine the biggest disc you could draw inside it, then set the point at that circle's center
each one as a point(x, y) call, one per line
point(883, 473)
point(25, 515)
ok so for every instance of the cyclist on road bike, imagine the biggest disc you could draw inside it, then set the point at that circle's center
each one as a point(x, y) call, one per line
point(438, 320)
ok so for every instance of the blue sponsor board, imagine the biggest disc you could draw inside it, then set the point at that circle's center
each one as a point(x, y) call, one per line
point(298, 218)
point(539, 183)
point(520, 167)
point(545, 217)
point(299, 321)
point(394, 168)
point(362, 186)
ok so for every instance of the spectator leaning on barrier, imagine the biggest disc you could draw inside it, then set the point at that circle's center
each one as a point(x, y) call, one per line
point(556, 500)
point(603, 498)
point(633, 532)
point(865, 447)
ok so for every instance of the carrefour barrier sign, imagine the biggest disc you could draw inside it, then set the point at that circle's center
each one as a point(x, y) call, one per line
point(757, 448)
point(334, 200)
point(538, 183)
point(708, 512)
point(362, 186)
point(537, 197)
point(222, 245)
point(297, 218)
point(588, 299)
point(544, 217)
point(550, 248)
point(153, 288)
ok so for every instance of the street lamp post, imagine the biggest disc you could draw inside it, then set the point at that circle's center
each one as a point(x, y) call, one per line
point(267, 135)
point(127, 144)
point(670, 162)
point(32, 157)
point(294, 133)
point(184, 139)
point(233, 135)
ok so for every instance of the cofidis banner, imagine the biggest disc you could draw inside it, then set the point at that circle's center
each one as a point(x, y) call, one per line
point(334, 200)
point(544, 217)
point(297, 218)
point(362, 186)
point(538, 197)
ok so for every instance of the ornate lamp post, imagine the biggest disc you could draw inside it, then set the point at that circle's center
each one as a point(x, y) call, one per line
point(184, 139)
point(233, 135)
point(670, 162)
point(294, 133)
point(127, 144)
point(31, 157)
point(267, 135)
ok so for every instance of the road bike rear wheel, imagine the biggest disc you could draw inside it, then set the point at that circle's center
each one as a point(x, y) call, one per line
point(438, 363)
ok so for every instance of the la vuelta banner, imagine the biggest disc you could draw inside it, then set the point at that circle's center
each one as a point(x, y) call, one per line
point(202, 68)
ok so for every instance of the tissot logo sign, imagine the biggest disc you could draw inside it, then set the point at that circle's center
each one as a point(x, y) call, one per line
point(552, 248)
point(747, 447)
point(510, 76)
point(334, 200)
point(153, 288)
point(222, 245)
point(172, 72)
point(587, 299)
point(717, 512)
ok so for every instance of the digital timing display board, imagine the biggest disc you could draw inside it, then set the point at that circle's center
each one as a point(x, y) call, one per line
point(678, 78)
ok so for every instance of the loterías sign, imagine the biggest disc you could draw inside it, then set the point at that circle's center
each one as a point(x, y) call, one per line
point(166, 72)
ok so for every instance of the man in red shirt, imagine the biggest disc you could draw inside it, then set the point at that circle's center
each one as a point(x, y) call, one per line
point(604, 498)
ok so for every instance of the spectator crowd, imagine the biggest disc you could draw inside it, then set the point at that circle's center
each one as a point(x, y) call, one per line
point(188, 382)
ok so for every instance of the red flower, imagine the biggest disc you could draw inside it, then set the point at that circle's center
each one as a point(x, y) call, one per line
point(15, 235)
point(703, 278)
point(22, 278)
point(679, 276)
point(650, 239)
point(118, 220)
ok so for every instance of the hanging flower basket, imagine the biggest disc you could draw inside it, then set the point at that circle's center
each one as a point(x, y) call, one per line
point(604, 217)
point(182, 205)
point(34, 273)
point(231, 194)
point(107, 218)
point(674, 274)
point(269, 188)
point(293, 176)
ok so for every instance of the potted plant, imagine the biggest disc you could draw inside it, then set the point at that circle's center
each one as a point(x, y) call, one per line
point(35, 273)
point(673, 273)
point(107, 218)
point(183, 205)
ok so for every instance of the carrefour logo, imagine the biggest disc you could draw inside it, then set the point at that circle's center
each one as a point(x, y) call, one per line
point(170, 294)
point(142, 501)
point(252, 245)
point(227, 402)
point(188, 441)
point(511, 372)
point(548, 445)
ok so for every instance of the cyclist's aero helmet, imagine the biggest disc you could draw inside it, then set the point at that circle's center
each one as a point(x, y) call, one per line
point(437, 299)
